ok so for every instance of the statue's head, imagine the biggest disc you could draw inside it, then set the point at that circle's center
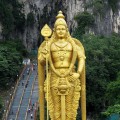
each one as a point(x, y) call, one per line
point(60, 26)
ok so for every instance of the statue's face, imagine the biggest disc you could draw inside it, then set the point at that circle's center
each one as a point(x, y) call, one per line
point(61, 31)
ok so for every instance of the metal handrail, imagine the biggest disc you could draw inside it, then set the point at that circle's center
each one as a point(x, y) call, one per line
point(5, 116)
point(30, 97)
point(22, 98)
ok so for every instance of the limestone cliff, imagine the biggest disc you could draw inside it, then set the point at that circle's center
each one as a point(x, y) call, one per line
point(0, 31)
point(45, 11)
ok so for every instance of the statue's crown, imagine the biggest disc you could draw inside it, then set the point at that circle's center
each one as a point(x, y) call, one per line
point(60, 15)
point(60, 19)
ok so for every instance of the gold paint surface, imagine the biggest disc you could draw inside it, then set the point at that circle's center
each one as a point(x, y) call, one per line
point(46, 31)
point(64, 85)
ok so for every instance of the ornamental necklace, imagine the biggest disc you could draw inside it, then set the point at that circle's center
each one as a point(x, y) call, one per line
point(61, 51)
point(61, 45)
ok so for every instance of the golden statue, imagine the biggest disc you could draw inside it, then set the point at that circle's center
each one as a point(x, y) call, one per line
point(60, 81)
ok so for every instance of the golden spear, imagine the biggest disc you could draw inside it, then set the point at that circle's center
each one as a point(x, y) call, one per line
point(45, 32)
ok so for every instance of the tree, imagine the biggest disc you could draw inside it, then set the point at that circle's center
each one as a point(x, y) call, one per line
point(11, 17)
point(84, 20)
point(102, 68)
point(10, 62)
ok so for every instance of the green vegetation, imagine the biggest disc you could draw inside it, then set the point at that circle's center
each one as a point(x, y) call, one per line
point(11, 53)
point(84, 21)
point(113, 97)
point(113, 4)
point(112, 91)
point(102, 55)
point(103, 78)
point(11, 17)
point(111, 110)
point(103, 69)
point(97, 6)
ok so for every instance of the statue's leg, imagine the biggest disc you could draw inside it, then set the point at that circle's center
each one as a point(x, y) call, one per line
point(56, 101)
point(68, 103)
point(76, 98)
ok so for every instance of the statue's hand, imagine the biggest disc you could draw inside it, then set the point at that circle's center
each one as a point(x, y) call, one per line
point(74, 76)
point(67, 73)
point(45, 52)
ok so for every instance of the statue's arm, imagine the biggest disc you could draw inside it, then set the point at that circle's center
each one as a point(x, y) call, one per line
point(81, 64)
point(81, 60)
point(41, 59)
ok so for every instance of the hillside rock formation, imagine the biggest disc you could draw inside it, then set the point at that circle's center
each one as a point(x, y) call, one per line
point(44, 11)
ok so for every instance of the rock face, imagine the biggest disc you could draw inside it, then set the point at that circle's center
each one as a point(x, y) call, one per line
point(46, 10)
point(0, 31)
point(31, 33)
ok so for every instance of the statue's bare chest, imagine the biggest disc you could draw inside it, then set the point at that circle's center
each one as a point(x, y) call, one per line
point(61, 54)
